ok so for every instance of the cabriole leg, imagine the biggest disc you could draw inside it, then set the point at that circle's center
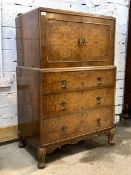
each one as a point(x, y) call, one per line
point(111, 136)
point(21, 141)
point(41, 157)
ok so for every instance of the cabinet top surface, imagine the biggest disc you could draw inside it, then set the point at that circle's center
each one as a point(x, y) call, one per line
point(42, 9)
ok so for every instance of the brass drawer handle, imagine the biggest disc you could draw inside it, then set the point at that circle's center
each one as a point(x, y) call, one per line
point(63, 105)
point(64, 129)
point(98, 100)
point(63, 84)
point(98, 122)
point(79, 42)
point(99, 80)
point(84, 42)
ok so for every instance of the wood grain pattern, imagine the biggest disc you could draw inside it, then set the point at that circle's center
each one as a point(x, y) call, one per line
point(57, 129)
point(76, 101)
point(42, 46)
point(27, 39)
point(62, 41)
point(97, 38)
point(28, 85)
point(65, 78)
point(76, 41)
point(77, 80)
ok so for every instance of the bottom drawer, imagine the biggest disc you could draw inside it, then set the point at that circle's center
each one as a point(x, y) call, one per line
point(68, 126)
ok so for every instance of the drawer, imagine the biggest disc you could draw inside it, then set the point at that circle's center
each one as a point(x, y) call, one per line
point(68, 126)
point(54, 82)
point(76, 101)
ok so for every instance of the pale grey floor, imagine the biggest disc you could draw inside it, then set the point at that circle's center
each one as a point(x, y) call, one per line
point(94, 158)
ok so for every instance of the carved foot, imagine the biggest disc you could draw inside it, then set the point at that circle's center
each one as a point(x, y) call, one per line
point(111, 136)
point(41, 158)
point(21, 140)
point(21, 143)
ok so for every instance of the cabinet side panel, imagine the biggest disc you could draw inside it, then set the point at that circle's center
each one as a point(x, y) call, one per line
point(19, 43)
point(27, 36)
point(28, 82)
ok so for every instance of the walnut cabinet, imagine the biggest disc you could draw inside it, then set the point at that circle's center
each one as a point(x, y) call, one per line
point(65, 78)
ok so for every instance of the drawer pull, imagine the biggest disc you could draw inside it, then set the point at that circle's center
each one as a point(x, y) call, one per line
point(98, 122)
point(63, 83)
point(63, 129)
point(98, 100)
point(99, 80)
point(84, 42)
point(63, 105)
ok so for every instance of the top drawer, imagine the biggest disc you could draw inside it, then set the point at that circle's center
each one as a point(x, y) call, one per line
point(59, 82)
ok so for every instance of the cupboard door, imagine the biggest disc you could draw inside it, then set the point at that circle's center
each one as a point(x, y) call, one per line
point(63, 41)
point(96, 42)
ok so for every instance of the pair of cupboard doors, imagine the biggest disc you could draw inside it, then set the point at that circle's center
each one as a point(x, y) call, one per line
point(66, 40)
point(71, 39)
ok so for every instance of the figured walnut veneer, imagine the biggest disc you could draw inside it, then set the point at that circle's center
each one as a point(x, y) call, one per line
point(65, 78)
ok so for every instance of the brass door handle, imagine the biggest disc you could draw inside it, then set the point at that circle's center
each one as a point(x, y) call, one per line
point(79, 42)
point(63, 129)
point(63, 83)
point(63, 105)
point(99, 80)
point(98, 99)
point(98, 122)
point(84, 42)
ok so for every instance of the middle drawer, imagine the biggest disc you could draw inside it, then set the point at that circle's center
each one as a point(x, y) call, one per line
point(76, 101)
